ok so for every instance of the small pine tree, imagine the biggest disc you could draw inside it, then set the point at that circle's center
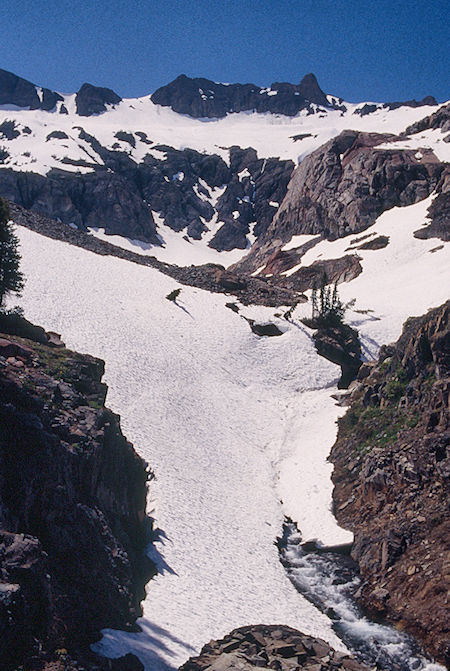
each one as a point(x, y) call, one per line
point(11, 279)
point(327, 307)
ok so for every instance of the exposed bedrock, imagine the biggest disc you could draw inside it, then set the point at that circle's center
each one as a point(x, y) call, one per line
point(391, 477)
point(202, 98)
point(342, 187)
point(119, 195)
point(439, 119)
point(339, 270)
point(72, 503)
point(100, 199)
point(91, 99)
point(438, 212)
point(273, 647)
point(369, 108)
point(17, 91)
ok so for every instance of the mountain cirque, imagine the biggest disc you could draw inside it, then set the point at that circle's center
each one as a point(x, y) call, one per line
point(72, 505)
point(391, 480)
point(225, 196)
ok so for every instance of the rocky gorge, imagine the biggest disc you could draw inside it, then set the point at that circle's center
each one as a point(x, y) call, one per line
point(391, 474)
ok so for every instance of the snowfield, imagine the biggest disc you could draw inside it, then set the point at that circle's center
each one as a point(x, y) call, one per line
point(237, 428)
point(205, 401)
point(270, 134)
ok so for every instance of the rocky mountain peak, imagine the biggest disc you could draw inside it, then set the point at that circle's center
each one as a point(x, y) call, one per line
point(20, 92)
point(310, 90)
point(92, 99)
point(203, 98)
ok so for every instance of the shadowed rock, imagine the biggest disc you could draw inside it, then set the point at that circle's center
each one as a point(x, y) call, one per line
point(203, 98)
point(91, 99)
point(20, 92)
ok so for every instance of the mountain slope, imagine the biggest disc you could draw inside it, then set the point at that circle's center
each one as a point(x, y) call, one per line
point(168, 181)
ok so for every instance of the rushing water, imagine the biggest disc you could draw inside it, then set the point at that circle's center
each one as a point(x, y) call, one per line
point(330, 580)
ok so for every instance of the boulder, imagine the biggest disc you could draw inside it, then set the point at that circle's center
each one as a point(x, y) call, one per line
point(270, 646)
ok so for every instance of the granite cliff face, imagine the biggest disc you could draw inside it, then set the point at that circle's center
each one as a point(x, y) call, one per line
point(342, 187)
point(72, 502)
point(391, 475)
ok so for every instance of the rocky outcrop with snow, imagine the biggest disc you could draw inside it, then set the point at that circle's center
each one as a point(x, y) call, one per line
point(120, 195)
point(91, 99)
point(273, 647)
point(20, 92)
point(203, 98)
point(72, 503)
point(144, 170)
point(211, 277)
point(342, 187)
point(391, 480)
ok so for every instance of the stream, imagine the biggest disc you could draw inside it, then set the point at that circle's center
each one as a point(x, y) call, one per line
point(330, 581)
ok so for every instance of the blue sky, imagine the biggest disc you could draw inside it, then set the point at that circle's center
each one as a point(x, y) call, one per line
point(358, 49)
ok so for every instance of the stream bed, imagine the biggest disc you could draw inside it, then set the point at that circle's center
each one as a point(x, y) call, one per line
point(330, 581)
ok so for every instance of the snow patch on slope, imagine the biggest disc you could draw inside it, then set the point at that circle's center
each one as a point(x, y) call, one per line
point(206, 402)
point(230, 422)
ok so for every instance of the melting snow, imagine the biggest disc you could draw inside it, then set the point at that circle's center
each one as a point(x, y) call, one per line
point(231, 423)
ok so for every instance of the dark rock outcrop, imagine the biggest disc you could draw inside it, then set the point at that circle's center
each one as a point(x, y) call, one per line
point(428, 100)
point(72, 504)
point(249, 198)
point(438, 212)
point(272, 647)
point(391, 475)
point(91, 99)
point(342, 187)
point(380, 242)
point(340, 344)
point(440, 119)
point(9, 130)
point(101, 199)
point(370, 108)
point(203, 98)
point(119, 194)
point(20, 92)
point(268, 329)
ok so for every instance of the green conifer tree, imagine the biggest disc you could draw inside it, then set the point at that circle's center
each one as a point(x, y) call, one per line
point(11, 279)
